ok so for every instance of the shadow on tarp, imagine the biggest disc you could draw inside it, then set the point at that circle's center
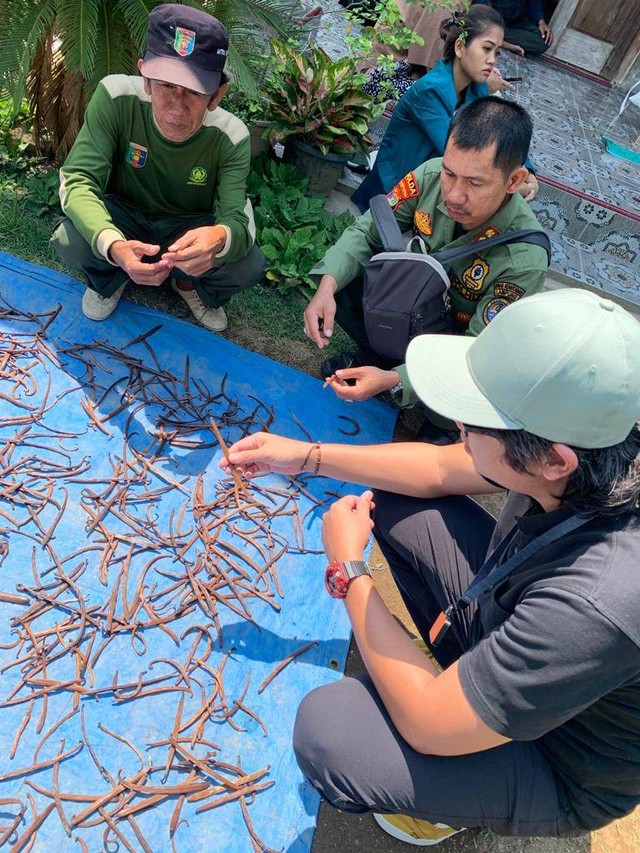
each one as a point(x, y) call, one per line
point(284, 815)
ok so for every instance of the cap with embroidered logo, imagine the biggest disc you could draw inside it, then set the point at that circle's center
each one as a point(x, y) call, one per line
point(186, 47)
point(563, 365)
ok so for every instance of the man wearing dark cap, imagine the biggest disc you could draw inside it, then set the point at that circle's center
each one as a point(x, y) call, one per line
point(154, 187)
point(531, 723)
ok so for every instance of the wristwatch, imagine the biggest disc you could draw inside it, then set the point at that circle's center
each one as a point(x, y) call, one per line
point(339, 575)
point(396, 393)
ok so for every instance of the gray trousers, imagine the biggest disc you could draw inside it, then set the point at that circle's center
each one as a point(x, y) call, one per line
point(215, 287)
point(346, 743)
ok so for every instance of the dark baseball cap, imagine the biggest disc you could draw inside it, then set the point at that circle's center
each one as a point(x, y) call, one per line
point(186, 47)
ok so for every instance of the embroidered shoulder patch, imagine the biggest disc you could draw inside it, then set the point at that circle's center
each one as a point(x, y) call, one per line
point(197, 177)
point(184, 41)
point(406, 188)
point(508, 291)
point(422, 221)
point(136, 155)
point(493, 308)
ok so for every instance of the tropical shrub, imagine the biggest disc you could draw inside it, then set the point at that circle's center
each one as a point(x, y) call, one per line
point(318, 100)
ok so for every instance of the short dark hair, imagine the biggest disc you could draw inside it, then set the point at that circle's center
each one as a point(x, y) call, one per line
point(477, 125)
point(606, 481)
point(468, 25)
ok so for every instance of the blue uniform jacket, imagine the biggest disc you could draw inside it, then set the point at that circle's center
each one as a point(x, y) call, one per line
point(417, 130)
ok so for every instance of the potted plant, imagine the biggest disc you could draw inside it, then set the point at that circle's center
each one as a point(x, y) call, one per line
point(320, 109)
point(256, 114)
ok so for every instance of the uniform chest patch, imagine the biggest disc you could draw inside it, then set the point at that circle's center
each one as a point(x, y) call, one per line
point(505, 294)
point(462, 318)
point(474, 276)
point(136, 155)
point(465, 292)
point(407, 188)
point(197, 177)
point(422, 221)
point(489, 231)
point(184, 41)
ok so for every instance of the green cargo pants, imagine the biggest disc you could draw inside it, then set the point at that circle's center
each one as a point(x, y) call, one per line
point(215, 287)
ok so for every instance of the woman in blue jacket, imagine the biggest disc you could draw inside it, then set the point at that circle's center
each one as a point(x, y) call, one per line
point(420, 122)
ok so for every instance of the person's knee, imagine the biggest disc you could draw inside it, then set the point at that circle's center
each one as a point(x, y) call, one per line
point(224, 280)
point(256, 263)
point(321, 745)
point(72, 248)
point(312, 738)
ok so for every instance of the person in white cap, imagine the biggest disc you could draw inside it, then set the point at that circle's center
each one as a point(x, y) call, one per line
point(530, 725)
point(154, 187)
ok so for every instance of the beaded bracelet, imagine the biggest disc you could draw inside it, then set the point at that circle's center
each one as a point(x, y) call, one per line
point(316, 466)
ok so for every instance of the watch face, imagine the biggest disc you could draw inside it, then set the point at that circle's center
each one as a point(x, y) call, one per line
point(336, 582)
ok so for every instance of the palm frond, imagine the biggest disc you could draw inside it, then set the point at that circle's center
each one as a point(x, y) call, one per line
point(118, 50)
point(135, 13)
point(266, 16)
point(56, 98)
point(77, 27)
point(28, 25)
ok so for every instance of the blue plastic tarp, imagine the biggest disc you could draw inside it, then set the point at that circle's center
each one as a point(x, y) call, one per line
point(72, 378)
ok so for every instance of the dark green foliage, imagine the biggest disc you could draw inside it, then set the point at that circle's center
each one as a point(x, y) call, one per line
point(292, 229)
point(42, 193)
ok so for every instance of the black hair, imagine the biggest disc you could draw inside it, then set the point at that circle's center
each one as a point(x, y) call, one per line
point(468, 26)
point(477, 125)
point(606, 481)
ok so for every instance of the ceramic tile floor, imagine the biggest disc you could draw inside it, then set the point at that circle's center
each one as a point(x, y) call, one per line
point(570, 115)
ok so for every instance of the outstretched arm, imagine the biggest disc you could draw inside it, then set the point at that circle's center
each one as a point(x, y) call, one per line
point(421, 470)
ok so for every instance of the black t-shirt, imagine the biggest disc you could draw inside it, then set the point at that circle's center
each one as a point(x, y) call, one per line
point(557, 657)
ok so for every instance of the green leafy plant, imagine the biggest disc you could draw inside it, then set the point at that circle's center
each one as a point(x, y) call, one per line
point(318, 100)
point(293, 230)
point(42, 197)
point(18, 157)
point(250, 110)
point(56, 51)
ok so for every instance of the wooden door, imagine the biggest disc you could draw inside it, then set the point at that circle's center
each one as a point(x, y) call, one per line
point(614, 22)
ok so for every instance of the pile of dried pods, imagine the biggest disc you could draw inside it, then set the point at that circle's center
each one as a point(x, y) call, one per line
point(212, 553)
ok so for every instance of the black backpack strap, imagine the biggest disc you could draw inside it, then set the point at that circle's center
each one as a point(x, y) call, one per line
point(384, 220)
point(535, 237)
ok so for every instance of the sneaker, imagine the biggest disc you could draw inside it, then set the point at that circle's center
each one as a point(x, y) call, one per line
point(411, 830)
point(213, 319)
point(96, 307)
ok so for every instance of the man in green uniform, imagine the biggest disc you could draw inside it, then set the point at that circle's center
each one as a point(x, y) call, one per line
point(469, 194)
point(154, 187)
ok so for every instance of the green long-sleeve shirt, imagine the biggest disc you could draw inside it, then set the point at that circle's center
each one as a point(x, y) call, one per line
point(480, 286)
point(119, 151)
